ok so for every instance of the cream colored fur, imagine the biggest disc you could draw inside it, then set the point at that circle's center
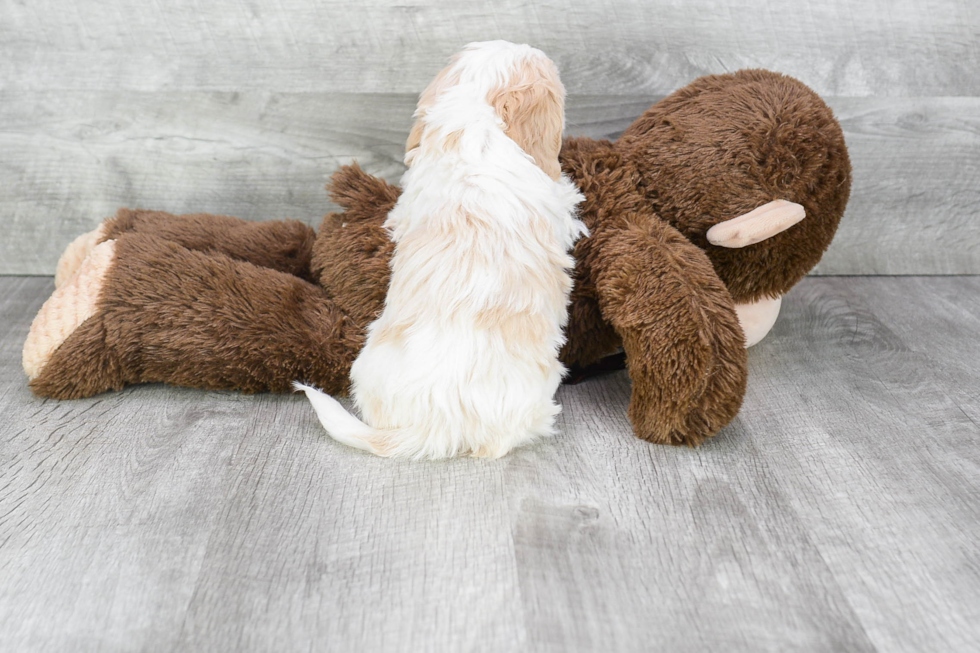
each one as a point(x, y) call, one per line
point(464, 358)
point(75, 254)
point(69, 306)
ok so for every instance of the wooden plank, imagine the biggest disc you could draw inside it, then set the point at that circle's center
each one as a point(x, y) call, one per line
point(839, 511)
point(73, 158)
point(939, 333)
point(327, 550)
point(916, 191)
point(630, 547)
point(878, 47)
point(879, 460)
point(105, 504)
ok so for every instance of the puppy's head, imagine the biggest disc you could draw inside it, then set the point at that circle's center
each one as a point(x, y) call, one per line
point(524, 89)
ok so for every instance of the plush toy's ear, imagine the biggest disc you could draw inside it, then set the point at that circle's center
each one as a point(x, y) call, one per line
point(532, 106)
point(446, 78)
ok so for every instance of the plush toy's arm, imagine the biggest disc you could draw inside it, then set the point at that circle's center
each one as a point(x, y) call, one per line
point(283, 245)
point(684, 348)
point(353, 249)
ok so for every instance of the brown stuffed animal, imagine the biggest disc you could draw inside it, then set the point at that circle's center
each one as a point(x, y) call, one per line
point(692, 212)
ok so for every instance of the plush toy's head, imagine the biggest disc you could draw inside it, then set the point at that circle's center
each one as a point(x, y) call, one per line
point(728, 144)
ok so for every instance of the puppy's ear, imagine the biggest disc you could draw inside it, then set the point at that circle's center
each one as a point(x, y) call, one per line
point(532, 106)
point(446, 78)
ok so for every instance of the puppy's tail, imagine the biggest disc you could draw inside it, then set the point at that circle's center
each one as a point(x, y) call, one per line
point(341, 425)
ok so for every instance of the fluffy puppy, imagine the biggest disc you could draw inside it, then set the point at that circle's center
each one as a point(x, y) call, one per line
point(464, 357)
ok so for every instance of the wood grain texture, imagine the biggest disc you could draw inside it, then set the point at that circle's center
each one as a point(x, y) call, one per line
point(246, 108)
point(876, 47)
point(915, 199)
point(75, 158)
point(840, 511)
point(72, 158)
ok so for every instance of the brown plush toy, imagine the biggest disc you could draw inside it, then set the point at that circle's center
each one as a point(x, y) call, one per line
point(696, 217)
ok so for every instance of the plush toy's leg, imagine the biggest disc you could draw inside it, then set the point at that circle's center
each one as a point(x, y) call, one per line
point(758, 318)
point(284, 245)
point(166, 313)
point(685, 350)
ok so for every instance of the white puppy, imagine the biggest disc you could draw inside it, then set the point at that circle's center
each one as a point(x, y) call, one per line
point(464, 358)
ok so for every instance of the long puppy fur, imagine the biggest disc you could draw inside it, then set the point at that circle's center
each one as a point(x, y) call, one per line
point(464, 358)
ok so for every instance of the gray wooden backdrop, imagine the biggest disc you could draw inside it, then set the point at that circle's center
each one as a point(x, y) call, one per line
point(245, 107)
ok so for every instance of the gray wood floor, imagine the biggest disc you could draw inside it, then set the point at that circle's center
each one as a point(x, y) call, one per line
point(840, 511)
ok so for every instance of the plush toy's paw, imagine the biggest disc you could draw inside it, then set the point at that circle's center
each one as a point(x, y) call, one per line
point(69, 306)
point(757, 225)
point(666, 416)
point(757, 318)
point(75, 254)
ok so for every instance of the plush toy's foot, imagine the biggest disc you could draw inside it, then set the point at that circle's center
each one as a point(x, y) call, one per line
point(757, 225)
point(758, 318)
point(75, 254)
point(69, 306)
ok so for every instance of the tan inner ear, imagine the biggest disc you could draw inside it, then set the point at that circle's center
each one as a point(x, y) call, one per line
point(532, 108)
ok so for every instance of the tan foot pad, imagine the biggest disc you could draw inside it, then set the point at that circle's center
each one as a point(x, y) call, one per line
point(756, 226)
point(75, 254)
point(67, 308)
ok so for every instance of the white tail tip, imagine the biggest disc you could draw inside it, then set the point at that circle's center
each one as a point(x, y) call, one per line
point(339, 424)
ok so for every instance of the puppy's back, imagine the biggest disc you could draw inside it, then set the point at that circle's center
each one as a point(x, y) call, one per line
point(464, 358)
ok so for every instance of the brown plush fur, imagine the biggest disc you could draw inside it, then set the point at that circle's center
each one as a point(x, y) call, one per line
point(203, 320)
point(727, 144)
point(200, 301)
point(350, 258)
point(640, 284)
point(286, 245)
